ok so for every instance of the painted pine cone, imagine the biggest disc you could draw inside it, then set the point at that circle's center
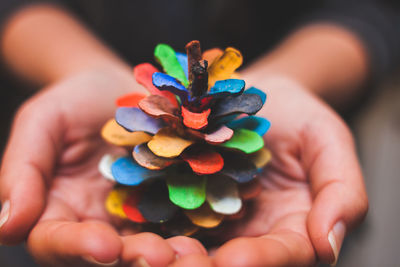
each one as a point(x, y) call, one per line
point(194, 146)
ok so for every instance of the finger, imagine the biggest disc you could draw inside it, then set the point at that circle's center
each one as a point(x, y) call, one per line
point(59, 240)
point(27, 162)
point(286, 244)
point(183, 245)
point(61, 243)
point(147, 248)
point(340, 200)
point(193, 260)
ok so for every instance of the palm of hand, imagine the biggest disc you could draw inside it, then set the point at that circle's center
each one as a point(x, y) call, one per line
point(78, 191)
point(279, 213)
point(75, 227)
point(275, 231)
point(75, 223)
point(76, 184)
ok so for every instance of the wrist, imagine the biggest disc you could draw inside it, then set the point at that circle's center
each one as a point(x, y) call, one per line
point(112, 81)
point(45, 44)
point(325, 59)
point(286, 96)
point(274, 83)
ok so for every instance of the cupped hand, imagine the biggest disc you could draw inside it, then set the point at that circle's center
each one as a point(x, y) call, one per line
point(52, 191)
point(313, 191)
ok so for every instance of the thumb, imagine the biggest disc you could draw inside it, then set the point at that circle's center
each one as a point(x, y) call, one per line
point(340, 200)
point(26, 169)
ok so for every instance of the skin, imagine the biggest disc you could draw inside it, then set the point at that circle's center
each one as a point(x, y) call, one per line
point(312, 182)
point(50, 175)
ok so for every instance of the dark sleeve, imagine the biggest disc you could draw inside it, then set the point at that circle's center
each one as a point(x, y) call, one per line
point(375, 22)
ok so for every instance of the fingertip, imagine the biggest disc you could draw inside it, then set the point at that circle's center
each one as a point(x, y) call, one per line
point(55, 242)
point(93, 261)
point(184, 245)
point(27, 163)
point(327, 243)
point(239, 252)
point(101, 242)
point(193, 260)
point(145, 245)
point(319, 224)
point(335, 205)
point(23, 205)
point(335, 238)
point(281, 249)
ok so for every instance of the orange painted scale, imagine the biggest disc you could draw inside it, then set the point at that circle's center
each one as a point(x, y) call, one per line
point(203, 161)
point(130, 100)
point(195, 120)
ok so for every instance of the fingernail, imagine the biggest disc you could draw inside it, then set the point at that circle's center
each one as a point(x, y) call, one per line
point(95, 262)
point(5, 213)
point(140, 262)
point(335, 237)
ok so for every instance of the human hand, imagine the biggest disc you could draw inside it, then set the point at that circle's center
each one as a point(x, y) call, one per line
point(50, 183)
point(313, 191)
